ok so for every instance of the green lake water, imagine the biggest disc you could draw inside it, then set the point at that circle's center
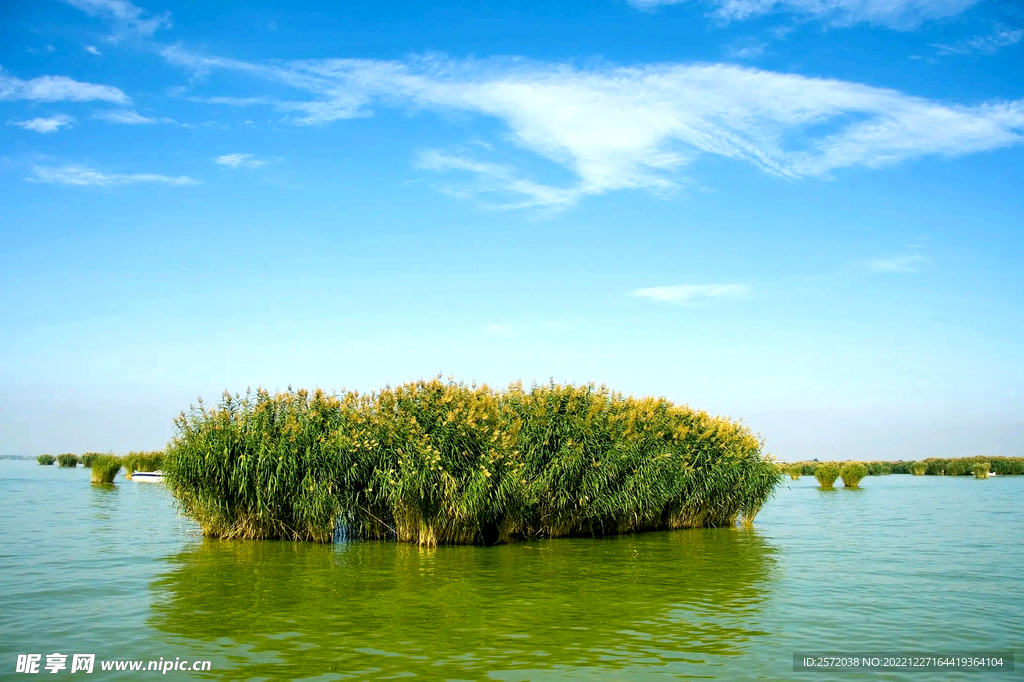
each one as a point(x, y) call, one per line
point(922, 564)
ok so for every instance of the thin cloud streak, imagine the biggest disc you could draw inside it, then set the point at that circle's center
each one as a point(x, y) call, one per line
point(897, 264)
point(636, 127)
point(500, 179)
point(686, 293)
point(46, 125)
point(746, 49)
point(240, 161)
point(127, 117)
point(58, 89)
point(83, 176)
point(898, 14)
point(1000, 37)
point(128, 18)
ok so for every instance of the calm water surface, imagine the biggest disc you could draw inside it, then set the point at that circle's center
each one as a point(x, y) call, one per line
point(906, 563)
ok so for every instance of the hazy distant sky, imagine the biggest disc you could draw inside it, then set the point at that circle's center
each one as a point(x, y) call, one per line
point(804, 213)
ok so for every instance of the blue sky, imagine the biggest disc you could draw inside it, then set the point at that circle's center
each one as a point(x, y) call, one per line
point(803, 213)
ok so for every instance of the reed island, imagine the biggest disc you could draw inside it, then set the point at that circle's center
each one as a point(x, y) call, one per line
point(439, 462)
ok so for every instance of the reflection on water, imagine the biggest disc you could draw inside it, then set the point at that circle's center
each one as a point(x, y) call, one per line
point(663, 601)
point(909, 562)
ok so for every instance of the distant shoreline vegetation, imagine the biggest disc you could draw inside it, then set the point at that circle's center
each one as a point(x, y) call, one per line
point(434, 462)
point(932, 466)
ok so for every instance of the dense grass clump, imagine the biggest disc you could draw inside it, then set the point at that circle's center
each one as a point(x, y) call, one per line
point(436, 462)
point(87, 458)
point(67, 460)
point(919, 468)
point(794, 471)
point(105, 468)
point(46, 460)
point(981, 469)
point(142, 461)
point(852, 473)
point(826, 473)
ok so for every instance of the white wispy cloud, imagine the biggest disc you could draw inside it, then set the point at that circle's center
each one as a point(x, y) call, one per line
point(651, 4)
point(686, 293)
point(498, 180)
point(236, 101)
point(909, 263)
point(240, 161)
point(1001, 36)
point(46, 125)
point(58, 89)
point(127, 18)
point(899, 14)
point(637, 127)
point(92, 49)
point(82, 176)
point(746, 48)
point(129, 117)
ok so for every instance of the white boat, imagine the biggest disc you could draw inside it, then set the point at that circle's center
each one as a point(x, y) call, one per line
point(148, 476)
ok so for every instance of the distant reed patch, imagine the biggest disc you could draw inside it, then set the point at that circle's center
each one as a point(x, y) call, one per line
point(46, 460)
point(981, 469)
point(826, 473)
point(1003, 466)
point(67, 460)
point(877, 469)
point(933, 466)
point(105, 468)
point(852, 473)
point(142, 461)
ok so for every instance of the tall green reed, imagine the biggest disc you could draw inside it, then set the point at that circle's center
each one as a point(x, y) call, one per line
point(852, 473)
point(67, 460)
point(437, 462)
point(142, 461)
point(827, 473)
point(105, 468)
